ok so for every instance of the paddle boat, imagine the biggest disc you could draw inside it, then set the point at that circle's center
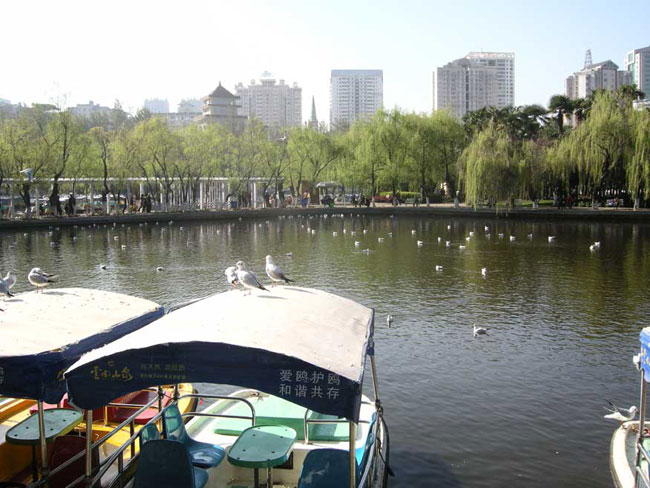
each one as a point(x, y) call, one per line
point(42, 335)
point(630, 445)
point(300, 418)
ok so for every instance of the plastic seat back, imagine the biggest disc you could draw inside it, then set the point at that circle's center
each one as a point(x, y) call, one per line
point(63, 448)
point(173, 424)
point(164, 464)
point(325, 468)
point(149, 433)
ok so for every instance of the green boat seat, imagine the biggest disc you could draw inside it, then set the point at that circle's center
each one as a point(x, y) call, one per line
point(148, 433)
point(203, 455)
point(167, 464)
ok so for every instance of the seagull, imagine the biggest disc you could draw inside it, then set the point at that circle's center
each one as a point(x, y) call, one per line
point(275, 272)
point(414, 232)
point(484, 272)
point(530, 236)
point(365, 231)
point(313, 232)
point(357, 243)
point(449, 227)
point(289, 254)
point(123, 246)
point(380, 239)
point(4, 288)
point(102, 266)
point(439, 239)
point(500, 235)
point(471, 233)
point(160, 268)
point(479, 331)
point(334, 234)
point(597, 244)
point(247, 279)
point(438, 267)
point(468, 239)
point(231, 276)
point(447, 243)
point(592, 247)
point(487, 229)
point(39, 278)
point(420, 243)
point(365, 251)
point(551, 238)
point(353, 232)
point(461, 247)
point(10, 279)
point(389, 320)
point(512, 238)
point(620, 414)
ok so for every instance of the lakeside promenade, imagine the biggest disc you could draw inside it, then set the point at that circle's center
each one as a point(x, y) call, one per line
point(604, 214)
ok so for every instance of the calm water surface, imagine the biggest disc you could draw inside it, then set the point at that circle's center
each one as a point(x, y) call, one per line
point(520, 407)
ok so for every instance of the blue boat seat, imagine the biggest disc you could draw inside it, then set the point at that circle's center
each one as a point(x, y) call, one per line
point(167, 464)
point(326, 468)
point(203, 455)
point(148, 433)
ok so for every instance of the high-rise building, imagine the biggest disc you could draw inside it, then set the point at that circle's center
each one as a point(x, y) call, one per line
point(637, 63)
point(275, 105)
point(463, 86)
point(476, 81)
point(597, 76)
point(355, 94)
point(223, 107)
point(157, 105)
point(504, 65)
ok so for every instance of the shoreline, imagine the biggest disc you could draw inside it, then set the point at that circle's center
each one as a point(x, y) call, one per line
point(433, 211)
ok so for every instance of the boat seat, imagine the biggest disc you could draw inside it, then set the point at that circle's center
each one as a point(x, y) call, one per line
point(148, 433)
point(326, 468)
point(167, 464)
point(203, 455)
point(63, 448)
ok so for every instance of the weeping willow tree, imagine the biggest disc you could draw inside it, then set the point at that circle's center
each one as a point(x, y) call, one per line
point(638, 170)
point(490, 167)
point(600, 148)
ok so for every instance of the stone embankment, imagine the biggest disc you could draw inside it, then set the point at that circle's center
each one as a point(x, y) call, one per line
point(433, 211)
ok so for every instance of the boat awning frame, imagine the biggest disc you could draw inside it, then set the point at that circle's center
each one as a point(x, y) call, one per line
point(301, 344)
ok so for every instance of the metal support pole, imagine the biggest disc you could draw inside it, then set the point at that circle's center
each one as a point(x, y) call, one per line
point(161, 393)
point(45, 472)
point(353, 457)
point(639, 438)
point(89, 443)
point(374, 376)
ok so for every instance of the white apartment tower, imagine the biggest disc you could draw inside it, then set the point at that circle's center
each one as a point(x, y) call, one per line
point(275, 105)
point(157, 105)
point(595, 76)
point(476, 81)
point(637, 63)
point(355, 94)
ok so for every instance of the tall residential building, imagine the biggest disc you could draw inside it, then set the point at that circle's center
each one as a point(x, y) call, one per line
point(463, 86)
point(597, 76)
point(223, 107)
point(157, 105)
point(275, 105)
point(476, 81)
point(637, 63)
point(355, 94)
point(504, 64)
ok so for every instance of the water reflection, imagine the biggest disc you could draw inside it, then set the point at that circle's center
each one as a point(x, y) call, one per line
point(522, 406)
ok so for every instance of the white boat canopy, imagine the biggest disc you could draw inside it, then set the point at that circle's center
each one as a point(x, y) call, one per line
point(305, 345)
point(41, 334)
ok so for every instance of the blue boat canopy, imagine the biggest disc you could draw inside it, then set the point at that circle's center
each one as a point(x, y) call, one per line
point(42, 334)
point(301, 344)
point(645, 352)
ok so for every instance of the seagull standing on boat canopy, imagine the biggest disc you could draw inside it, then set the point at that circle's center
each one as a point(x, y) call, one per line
point(247, 279)
point(620, 414)
point(275, 272)
point(40, 278)
point(10, 279)
point(231, 276)
point(4, 288)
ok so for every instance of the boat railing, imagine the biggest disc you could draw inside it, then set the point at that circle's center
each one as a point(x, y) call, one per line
point(308, 421)
point(105, 465)
point(118, 455)
point(642, 474)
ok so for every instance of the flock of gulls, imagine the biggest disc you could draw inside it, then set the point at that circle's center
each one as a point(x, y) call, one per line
point(240, 275)
point(37, 277)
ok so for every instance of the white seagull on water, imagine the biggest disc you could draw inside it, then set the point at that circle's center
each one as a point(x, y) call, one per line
point(247, 278)
point(479, 331)
point(275, 272)
point(40, 278)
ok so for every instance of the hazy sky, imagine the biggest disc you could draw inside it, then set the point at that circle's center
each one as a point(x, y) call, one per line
point(74, 51)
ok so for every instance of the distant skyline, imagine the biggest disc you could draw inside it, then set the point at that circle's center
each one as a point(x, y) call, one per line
point(74, 51)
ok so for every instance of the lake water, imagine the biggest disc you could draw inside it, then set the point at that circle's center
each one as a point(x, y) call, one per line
point(522, 406)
